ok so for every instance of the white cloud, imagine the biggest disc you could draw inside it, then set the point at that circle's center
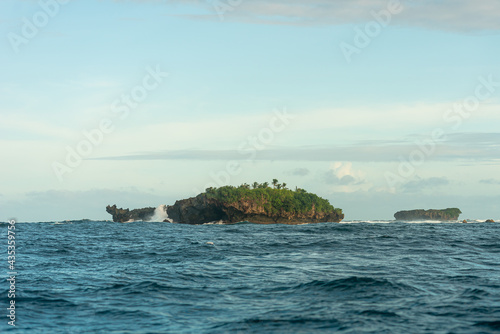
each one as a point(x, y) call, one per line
point(344, 178)
point(380, 132)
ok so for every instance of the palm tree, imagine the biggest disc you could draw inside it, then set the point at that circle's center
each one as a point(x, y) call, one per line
point(275, 183)
point(284, 185)
point(255, 185)
point(265, 184)
point(300, 190)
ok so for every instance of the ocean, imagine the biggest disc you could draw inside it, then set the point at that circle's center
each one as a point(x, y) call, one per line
point(350, 277)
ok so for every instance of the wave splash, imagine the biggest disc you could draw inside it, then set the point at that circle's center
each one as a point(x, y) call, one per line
point(160, 215)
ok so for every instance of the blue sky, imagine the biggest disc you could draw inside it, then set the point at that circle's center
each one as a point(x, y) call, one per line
point(266, 86)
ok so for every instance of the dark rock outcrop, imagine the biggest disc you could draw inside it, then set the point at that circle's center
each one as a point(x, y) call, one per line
point(201, 210)
point(445, 214)
point(490, 221)
point(124, 215)
point(195, 210)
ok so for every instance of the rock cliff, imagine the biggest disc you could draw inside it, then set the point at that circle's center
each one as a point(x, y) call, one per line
point(124, 215)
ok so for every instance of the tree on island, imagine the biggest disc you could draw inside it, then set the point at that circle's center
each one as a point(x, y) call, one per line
point(275, 201)
point(299, 190)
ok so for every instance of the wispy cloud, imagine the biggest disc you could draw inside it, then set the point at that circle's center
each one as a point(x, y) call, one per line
point(420, 184)
point(460, 146)
point(490, 181)
point(455, 15)
point(299, 172)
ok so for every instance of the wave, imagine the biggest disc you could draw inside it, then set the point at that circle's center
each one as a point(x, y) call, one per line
point(217, 222)
point(379, 313)
point(413, 221)
point(39, 297)
point(160, 214)
point(140, 287)
point(490, 324)
point(351, 283)
point(366, 221)
point(61, 222)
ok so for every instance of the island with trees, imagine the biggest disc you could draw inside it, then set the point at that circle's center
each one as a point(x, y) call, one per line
point(444, 214)
point(258, 203)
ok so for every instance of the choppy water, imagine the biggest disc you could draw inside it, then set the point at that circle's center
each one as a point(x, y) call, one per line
point(102, 277)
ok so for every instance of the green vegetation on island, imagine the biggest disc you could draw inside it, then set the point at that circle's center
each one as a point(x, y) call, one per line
point(274, 200)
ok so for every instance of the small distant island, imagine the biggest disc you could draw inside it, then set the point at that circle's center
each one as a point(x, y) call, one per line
point(444, 214)
point(259, 203)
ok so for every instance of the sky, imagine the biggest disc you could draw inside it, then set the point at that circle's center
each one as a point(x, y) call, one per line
point(378, 106)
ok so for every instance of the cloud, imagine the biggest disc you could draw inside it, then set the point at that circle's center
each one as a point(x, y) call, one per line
point(479, 147)
point(331, 178)
point(218, 138)
point(419, 184)
point(300, 172)
point(490, 181)
point(452, 15)
point(342, 174)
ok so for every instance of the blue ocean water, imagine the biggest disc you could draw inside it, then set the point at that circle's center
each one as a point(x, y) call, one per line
point(148, 277)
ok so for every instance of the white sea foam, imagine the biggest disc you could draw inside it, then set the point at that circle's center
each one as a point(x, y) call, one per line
point(365, 221)
point(160, 214)
point(216, 222)
point(407, 221)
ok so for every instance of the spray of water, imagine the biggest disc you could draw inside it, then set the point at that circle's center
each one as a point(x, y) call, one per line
point(160, 214)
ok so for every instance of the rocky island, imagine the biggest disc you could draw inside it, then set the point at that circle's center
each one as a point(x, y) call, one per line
point(259, 204)
point(125, 215)
point(445, 214)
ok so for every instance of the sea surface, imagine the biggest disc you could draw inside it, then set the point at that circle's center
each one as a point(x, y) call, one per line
point(353, 277)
